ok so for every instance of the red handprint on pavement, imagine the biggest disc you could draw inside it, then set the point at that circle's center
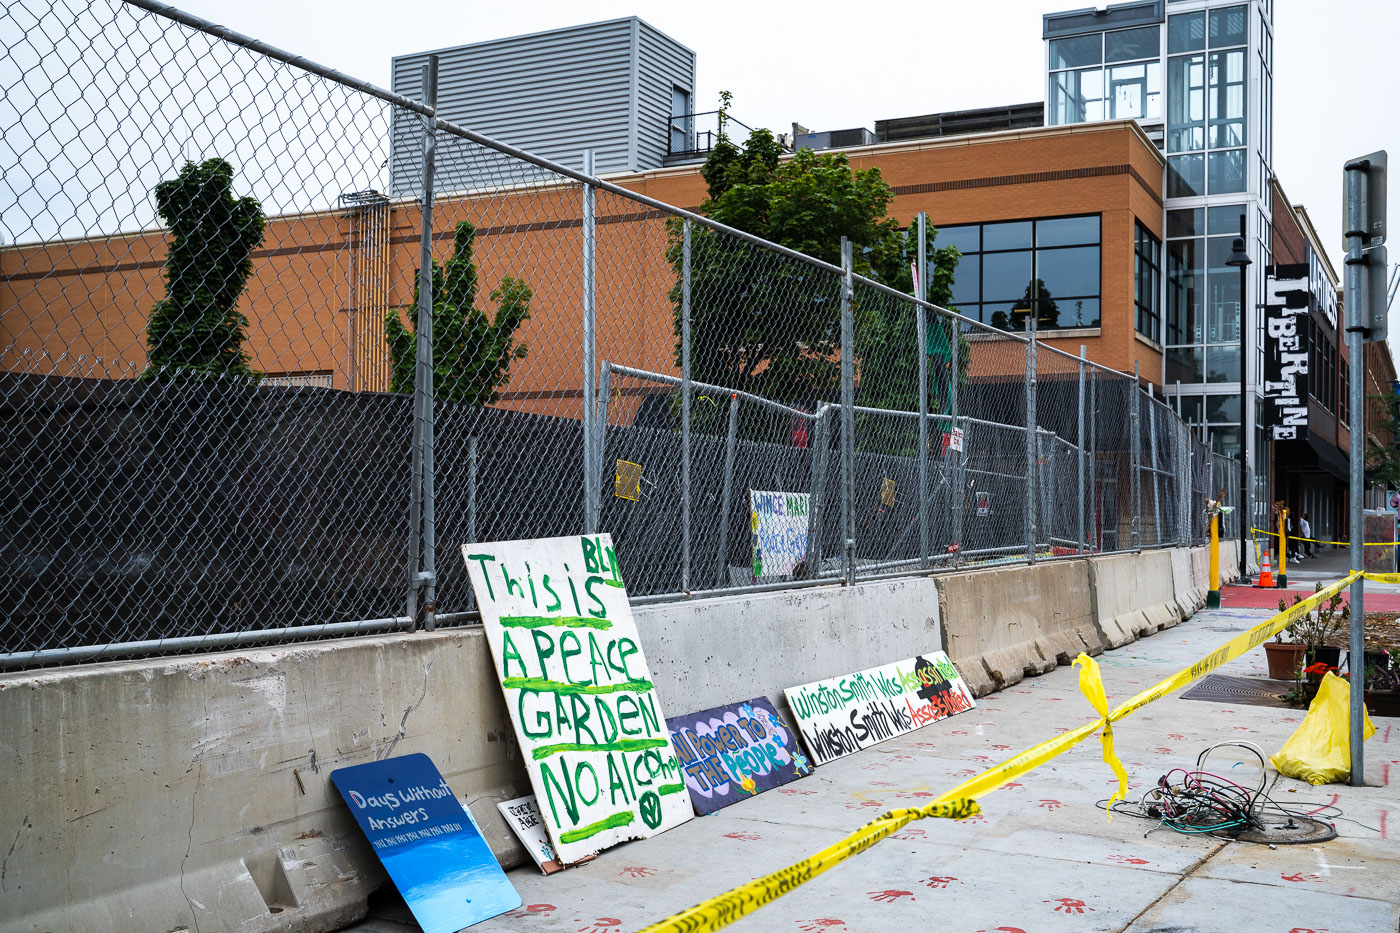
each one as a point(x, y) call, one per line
point(532, 909)
point(1071, 905)
point(1009, 785)
point(602, 925)
point(911, 833)
point(821, 923)
point(940, 882)
point(793, 792)
point(1001, 748)
point(982, 758)
point(637, 871)
point(1050, 804)
point(1128, 859)
point(1176, 736)
point(746, 837)
point(1299, 876)
point(957, 732)
point(862, 804)
point(889, 897)
point(1162, 751)
point(1306, 930)
point(964, 772)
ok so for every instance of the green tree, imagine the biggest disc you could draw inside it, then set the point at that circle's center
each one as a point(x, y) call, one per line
point(196, 329)
point(1383, 459)
point(770, 325)
point(472, 354)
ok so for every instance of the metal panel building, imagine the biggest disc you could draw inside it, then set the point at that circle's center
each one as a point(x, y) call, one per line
point(611, 87)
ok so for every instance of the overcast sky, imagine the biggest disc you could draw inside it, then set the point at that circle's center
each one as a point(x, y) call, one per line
point(838, 66)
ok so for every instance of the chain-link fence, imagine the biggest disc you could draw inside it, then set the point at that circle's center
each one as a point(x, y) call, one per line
point(278, 343)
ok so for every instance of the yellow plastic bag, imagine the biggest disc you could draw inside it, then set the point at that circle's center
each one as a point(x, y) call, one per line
point(1319, 752)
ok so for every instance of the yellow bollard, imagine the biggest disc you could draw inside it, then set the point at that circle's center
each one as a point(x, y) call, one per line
point(1282, 549)
point(1213, 597)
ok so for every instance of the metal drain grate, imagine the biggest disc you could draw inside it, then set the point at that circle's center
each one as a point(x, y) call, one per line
point(1249, 691)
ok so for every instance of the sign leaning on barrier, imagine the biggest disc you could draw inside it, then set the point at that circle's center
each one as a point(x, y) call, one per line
point(779, 523)
point(845, 714)
point(736, 751)
point(1285, 412)
point(580, 695)
point(426, 841)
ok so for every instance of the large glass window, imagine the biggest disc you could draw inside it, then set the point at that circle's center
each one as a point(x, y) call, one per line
point(1185, 283)
point(1013, 269)
point(1206, 103)
point(1147, 284)
point(1083, 89)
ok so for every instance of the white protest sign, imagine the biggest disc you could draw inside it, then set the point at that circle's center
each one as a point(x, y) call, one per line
point(845, 714)
point(523, 816)
point(779, 524)
point(580, 695)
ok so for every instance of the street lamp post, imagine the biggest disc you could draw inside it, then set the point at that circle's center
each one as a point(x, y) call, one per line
point(1239, 257)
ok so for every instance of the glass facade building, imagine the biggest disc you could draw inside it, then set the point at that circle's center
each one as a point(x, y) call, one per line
point(1197, 75)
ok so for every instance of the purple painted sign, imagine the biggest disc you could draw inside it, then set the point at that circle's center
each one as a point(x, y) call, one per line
point(732, 752)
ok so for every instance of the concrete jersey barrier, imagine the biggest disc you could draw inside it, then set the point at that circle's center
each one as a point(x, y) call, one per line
point(1005, 624)
point(1134, 595)
point(194, 792)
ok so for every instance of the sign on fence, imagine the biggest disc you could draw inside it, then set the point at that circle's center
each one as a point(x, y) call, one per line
point(736, 751)
point(580, 695)
point(426, 841)
point(845, 714)
point(779, 524)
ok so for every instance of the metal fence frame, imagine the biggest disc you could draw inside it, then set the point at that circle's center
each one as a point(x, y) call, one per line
point(1066, 473)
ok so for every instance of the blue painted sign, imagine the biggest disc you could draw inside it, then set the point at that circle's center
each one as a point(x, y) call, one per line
point(427, 842)
point(736, 751)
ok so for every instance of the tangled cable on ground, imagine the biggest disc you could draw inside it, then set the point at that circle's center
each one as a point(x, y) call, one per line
point(1200, 802)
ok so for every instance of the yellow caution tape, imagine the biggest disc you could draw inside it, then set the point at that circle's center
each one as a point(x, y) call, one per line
point(1274, 534)
point(958, 803)
point(721, 911)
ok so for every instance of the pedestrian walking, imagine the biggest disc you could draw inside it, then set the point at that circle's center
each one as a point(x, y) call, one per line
point(1305, 529)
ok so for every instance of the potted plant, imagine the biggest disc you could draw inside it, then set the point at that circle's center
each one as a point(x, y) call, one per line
point(1285, 657)
point(1314, 630)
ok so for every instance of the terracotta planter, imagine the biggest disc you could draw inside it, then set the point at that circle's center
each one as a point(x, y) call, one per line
point(1285, 658)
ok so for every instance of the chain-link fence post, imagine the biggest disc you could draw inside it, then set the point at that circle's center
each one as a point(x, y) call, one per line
point(816, 521)
point(1029, 508)
point(685, 405)
point(727, 496)
point(1079, 542)
point(422, 561)
point(959, 455)
point(848, 417)
point(1156, 469)
point(595, 439)
point(590, 468)
point(1135, 463)
point(921, 354)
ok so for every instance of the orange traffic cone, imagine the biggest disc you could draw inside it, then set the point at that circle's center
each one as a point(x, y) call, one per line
point(1266, 575)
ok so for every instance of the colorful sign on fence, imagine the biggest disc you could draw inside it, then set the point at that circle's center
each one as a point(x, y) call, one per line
point(736, 751)
point(779, 524)
point(426, 841)
point(845, 714)
point(580, 695)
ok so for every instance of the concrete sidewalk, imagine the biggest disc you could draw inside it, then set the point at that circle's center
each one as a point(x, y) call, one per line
point(1042, 857)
